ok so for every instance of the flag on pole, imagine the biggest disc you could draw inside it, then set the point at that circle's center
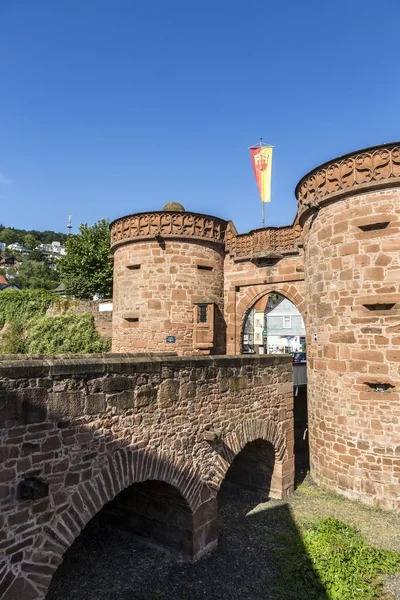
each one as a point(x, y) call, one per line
point(261, 157)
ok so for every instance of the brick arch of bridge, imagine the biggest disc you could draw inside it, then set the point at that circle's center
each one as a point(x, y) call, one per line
point(282, 482)
point(295, 292)
point(121, 469)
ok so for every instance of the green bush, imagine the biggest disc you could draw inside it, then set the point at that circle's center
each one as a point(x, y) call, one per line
point(13, 340)
point(18, 307)
point(66, 333)
point(332, 561)
point(28, 330)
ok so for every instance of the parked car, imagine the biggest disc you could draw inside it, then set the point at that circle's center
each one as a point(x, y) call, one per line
point(299, 357)
point(247, 349)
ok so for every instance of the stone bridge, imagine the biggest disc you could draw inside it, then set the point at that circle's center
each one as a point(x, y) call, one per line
point(143, 441)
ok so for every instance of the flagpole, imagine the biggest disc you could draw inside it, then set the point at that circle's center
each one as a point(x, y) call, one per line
point(262, 203)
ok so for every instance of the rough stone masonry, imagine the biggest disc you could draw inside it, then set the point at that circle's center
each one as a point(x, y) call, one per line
point(78, 434)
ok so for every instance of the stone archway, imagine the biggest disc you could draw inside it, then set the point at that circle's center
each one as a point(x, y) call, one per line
point(120, 470)
point(292, 291)
point(282, 480)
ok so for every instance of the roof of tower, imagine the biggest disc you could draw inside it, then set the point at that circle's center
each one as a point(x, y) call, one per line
point(174, 206)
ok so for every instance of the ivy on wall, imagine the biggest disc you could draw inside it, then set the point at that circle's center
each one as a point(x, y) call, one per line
point(25, 328)
point(17, 307)
point(66, 333)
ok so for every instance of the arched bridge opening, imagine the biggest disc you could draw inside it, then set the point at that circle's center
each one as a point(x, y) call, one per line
point(156, 513)
point(147, 513)
point(253, 468)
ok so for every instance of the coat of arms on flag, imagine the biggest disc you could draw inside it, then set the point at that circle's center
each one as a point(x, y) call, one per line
point(262, 164)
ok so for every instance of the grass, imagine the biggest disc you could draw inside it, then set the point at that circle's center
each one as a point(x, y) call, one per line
point(332, 561)
point(380, 527)
point(331, 548)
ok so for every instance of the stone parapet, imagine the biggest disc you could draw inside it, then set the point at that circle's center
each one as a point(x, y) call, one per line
point(17, 366)
point(354, 173)
point(269, 242)
point(167, 224)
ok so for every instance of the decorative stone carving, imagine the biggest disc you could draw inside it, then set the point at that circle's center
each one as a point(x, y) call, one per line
point(167, 224)
point(191, 225)
point(272, 238)
point(373, 167)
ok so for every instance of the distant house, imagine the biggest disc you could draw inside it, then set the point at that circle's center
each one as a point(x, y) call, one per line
point(2, 246)
point(58, 248)
point(17, 247)
point(286, 332)
point(8, 261)
point(55, 249)
point(254, 328)
point(5, 285)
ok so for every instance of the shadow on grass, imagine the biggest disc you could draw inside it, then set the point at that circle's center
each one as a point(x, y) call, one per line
point(106, 563)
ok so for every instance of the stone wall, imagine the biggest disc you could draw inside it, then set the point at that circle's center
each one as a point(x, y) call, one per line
point(90, 427)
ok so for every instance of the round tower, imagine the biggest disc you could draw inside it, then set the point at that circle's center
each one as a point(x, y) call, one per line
point(168, 282)
point(350, 212)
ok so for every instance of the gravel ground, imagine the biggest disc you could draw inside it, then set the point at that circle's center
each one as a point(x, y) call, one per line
point(393, 586)
point(108, 564)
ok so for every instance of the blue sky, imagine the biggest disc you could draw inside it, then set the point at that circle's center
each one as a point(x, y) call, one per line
point(109, 107)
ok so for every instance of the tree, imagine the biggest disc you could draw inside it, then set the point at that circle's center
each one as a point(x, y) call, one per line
point(30, 241)
point(37, 255)
point(36, 275)
point(18, 308)
point(87, 269)
point(10, 236)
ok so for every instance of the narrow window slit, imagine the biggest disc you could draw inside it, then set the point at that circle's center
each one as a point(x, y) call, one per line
point(374, 226)
point(379, 386)
point(132, 319)
point(133, 267)
point(379, 306)
point(204, 268)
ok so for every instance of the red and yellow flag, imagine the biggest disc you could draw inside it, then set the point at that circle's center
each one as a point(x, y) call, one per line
point(261, 157)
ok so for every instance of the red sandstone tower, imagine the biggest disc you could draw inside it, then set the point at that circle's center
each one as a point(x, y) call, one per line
point(168, 282)
point(349, 209)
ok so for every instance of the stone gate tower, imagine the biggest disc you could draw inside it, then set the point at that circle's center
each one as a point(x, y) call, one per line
point(168, 282)
point(192, 279)
point(349, 209)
